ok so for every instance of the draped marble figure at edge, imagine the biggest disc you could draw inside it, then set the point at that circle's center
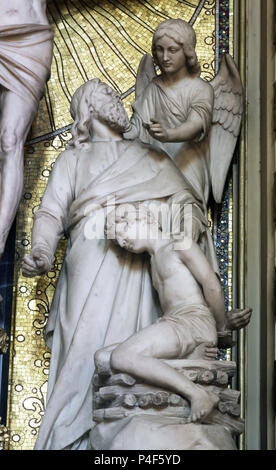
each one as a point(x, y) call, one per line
point(26, 49)
point(104, 293)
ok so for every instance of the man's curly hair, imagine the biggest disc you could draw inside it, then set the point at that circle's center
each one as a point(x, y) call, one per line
point(85, 104)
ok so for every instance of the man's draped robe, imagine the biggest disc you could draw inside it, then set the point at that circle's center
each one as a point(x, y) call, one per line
point(104, 293)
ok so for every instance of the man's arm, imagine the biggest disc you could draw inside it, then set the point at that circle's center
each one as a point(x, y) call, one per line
point(51, 218)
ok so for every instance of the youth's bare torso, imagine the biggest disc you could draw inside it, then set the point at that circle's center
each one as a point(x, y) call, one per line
point(173, 281)
point(14, 12)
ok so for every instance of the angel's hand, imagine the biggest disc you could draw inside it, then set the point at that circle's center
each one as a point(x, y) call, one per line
point(158, 132)
point(36, 264)
point(238, 318)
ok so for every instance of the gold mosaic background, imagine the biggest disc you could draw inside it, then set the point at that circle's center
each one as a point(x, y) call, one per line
point(105, 39)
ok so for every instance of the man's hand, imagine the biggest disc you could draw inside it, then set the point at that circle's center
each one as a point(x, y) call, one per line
point(158, 132)
point(238, 318)
point(36, 264)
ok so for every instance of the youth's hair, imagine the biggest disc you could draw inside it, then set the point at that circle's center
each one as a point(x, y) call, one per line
point(85, 104)
point(182, 33)
point(130, 213)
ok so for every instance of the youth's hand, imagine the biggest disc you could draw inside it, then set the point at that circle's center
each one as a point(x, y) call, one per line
point(238, 318)
point(35, 264)
point(210, 352)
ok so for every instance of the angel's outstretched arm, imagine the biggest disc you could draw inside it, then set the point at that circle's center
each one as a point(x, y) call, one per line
point(189, 130)
point(196, 122)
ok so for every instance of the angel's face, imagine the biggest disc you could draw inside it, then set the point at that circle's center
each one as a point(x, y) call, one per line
point(170, 55)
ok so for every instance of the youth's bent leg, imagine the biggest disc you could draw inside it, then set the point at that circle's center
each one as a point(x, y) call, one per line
point(141, 356)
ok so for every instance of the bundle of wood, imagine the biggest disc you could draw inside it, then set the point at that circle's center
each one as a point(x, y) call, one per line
point(117, 395)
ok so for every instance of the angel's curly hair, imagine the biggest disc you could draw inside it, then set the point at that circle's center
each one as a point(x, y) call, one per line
point(182, 33)
point(85, 104)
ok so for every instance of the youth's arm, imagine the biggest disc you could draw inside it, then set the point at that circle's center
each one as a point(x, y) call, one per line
point(200, 268)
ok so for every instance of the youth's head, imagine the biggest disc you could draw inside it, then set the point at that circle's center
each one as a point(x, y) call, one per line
point(179, 37)
point(95, 99)
point(133, 227)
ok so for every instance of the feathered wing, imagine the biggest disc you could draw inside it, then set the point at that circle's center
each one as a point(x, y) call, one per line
point(227, 116)
point(145, 74)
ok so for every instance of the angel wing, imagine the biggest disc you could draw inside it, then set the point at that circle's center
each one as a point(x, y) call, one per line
point(227, 116)
point(145, 74)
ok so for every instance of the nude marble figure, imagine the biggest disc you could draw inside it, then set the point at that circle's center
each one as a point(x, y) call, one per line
point(26, 46)
point(192, 303)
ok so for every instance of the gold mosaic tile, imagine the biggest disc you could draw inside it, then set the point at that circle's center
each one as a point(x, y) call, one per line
point(107, 39)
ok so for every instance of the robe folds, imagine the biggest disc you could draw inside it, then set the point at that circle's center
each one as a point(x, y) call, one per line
point(104, 293)
point(23, 70)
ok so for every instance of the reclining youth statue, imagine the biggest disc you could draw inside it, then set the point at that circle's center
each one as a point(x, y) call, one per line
point(192, 303)
point(154, 361)
point(26, 45)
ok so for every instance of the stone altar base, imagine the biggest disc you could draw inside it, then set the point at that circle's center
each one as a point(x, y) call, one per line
point(159, 433)
point(132, 415)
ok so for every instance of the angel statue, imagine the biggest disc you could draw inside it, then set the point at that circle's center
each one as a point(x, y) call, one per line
point(197, 123)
